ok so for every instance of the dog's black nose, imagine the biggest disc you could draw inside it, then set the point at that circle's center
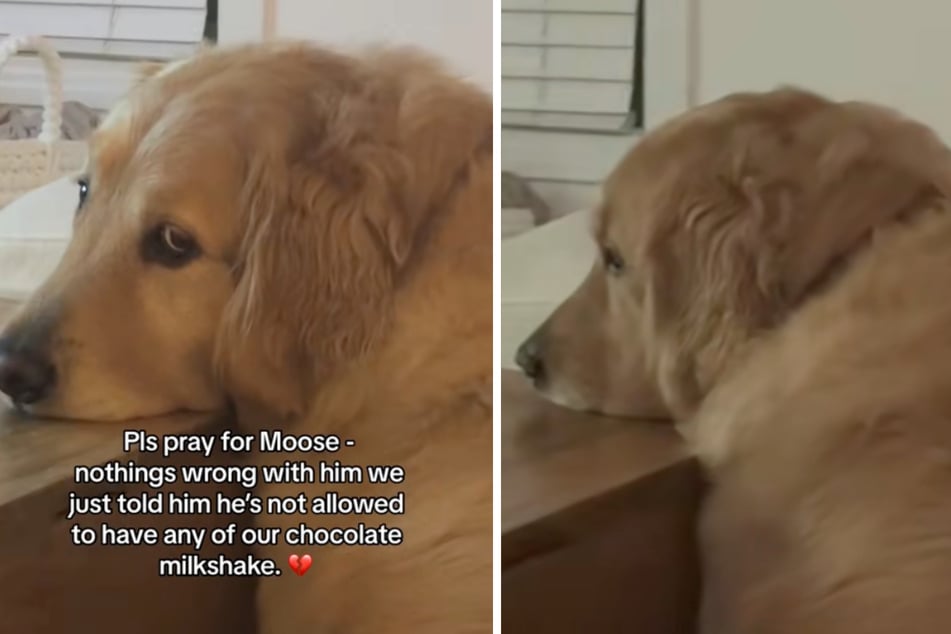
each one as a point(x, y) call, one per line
point(528, 357)
point(25, 376)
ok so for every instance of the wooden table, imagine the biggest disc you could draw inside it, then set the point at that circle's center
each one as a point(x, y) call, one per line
point(598, 522)
point(48, 585)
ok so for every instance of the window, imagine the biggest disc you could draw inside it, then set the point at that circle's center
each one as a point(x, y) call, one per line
point(101, 42)
point(628, 83)
point(572, 65)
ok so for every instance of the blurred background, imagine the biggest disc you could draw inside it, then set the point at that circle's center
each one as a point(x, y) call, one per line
point(582, 78)
point(101, 41)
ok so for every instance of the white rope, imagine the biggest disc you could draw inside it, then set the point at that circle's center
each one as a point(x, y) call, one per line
point(52, 64)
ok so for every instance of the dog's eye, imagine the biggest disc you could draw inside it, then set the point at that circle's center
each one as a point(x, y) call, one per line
point(613, 262)
point(170, 246)
point(83, 192)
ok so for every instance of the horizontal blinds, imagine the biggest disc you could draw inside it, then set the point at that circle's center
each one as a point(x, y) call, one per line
point(126, 29)
point(569, 63)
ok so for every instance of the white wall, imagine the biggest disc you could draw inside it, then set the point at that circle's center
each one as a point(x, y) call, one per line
point(459, 31)
point(241, 21)
point(897, 53)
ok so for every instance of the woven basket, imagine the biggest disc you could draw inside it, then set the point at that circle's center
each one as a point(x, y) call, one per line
point(30, 163)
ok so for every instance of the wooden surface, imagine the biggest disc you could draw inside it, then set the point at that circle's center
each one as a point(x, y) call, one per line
point(598, 520)
point(48, 585)
point(553, 458)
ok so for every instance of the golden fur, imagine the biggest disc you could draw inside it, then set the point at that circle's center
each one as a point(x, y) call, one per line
point(784, 292)
point(343, 210)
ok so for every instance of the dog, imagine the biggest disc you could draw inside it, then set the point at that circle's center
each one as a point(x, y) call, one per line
point(772, 278)
point(305, 237)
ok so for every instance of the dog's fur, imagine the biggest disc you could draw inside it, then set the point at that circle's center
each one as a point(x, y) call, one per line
point(784, 289)
point(343, 210)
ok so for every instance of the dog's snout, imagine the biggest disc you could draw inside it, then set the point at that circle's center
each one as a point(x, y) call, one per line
point(529, 358)
point(26, 376)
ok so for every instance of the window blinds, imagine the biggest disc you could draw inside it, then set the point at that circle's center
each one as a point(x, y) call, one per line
point(122, 29)
point(570, 64)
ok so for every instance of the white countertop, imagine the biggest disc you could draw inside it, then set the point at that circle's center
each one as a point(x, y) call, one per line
point(540, 268)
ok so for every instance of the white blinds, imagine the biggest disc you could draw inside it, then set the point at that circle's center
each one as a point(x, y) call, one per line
point(130, 29)
point(569, 64)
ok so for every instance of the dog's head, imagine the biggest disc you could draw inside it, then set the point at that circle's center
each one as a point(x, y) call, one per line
point(240, 229)
point(712, 230)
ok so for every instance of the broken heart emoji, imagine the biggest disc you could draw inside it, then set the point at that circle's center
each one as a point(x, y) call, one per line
point(300, 565)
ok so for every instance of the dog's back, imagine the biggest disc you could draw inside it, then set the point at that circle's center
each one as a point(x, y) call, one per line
point(831, 453)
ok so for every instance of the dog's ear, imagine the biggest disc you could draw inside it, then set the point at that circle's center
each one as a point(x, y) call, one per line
point(869, 170)
point(314, 276)
point(798, 197)
point(792, 199)
point(333, 210)
point(442, 125)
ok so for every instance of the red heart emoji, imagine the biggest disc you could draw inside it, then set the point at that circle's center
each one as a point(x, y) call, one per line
point(300, 565)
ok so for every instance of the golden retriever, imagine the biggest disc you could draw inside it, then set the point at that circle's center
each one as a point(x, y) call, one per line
point(307, 236)
point(775, 271)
